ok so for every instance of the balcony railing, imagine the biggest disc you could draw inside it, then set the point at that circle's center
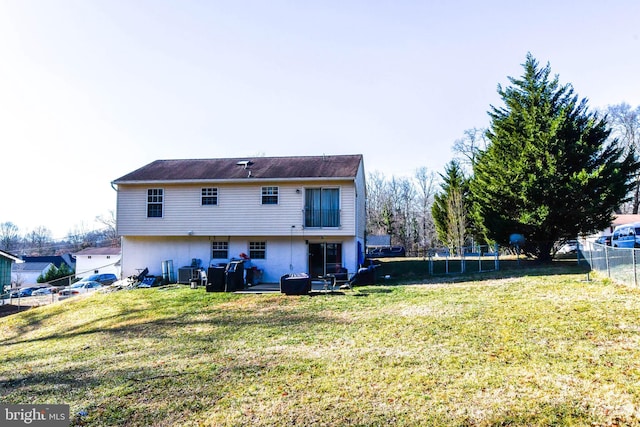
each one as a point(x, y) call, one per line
point(318, 218)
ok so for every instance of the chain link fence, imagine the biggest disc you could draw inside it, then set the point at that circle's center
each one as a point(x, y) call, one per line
point(472, 259)
point(619, 264)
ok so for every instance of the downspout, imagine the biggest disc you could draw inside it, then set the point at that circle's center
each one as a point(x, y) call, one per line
point(117, 233)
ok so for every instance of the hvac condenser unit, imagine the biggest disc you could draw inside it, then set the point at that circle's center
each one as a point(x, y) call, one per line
point(187, 274)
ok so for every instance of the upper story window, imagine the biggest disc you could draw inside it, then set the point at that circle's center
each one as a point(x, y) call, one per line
point(322, 207)
point(269, 195)
point(155, 200)
point(209, 196)
point(219, 249)
point(258, 250)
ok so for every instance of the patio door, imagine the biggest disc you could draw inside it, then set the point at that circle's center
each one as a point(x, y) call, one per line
point(324, 258)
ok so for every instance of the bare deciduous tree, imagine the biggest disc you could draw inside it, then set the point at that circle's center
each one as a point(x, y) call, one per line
point(456, 221)
point(625, 126)
point(109, 223)
point(401, 208)
point(467, 148)
point(426, 189)
point(40, 241)
point(9, 237)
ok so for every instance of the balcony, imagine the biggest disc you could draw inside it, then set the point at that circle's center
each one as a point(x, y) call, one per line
point(321, 218)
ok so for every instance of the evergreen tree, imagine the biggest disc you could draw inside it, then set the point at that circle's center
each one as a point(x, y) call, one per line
point(549, 172)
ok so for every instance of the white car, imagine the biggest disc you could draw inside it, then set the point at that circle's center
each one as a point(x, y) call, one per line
point(42, 291)
point(78, 289)
point(570, 247)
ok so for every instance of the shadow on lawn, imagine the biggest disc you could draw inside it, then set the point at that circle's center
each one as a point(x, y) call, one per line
point(219, 323)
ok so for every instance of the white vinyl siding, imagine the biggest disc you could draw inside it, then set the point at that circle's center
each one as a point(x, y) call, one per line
point(359, 200)
point(239, 211)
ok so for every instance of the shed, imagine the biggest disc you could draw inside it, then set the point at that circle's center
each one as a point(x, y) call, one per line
point(6, 261)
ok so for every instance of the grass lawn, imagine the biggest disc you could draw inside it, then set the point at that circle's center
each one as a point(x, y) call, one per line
point(543, 349)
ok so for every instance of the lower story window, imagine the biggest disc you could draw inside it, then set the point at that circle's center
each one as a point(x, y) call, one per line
point(257, 250)
point(220, 250)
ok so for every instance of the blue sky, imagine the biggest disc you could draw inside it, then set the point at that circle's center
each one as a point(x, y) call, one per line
point(91, 90)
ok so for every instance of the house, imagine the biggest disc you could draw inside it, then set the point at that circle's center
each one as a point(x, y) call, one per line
point(287, 214)
point(27, 272)
point(6, 262)
point(56, 260)
point(97, 261)
point(32, 267)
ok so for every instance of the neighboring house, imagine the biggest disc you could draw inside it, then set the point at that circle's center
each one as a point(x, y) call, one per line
point(27, 272)
point(56, 260)
point(618, 219)
point(6, 262)
point(97, 260)
point(288, 214)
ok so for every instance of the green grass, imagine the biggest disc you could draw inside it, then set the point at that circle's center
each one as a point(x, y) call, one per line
point(534, 350)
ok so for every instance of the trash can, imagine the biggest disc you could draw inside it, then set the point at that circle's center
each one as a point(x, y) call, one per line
point(234, 276)
point(215, 279)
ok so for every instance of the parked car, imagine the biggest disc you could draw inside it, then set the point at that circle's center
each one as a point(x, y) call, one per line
point(604, 240)
point(104, 278)
point(79, 288)
point(570, 247)
point(386, 251)
point(43, 291)
point(626, 236)
point(22, 292)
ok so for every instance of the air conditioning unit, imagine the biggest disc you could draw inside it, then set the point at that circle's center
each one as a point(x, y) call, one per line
point(187, 274)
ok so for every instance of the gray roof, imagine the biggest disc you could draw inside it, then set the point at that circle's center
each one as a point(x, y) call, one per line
point(99, 251)
point(37, 266)
point(340, 166)
point(56, 260)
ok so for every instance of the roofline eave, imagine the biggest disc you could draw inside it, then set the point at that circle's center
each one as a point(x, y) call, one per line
point(233, 181)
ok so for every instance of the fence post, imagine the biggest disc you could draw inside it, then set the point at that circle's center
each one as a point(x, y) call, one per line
point(606, 259)
point(462, 262)
point(496, 257)
point(635, 275)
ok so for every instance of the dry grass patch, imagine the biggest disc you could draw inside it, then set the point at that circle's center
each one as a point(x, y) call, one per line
point(536, 351)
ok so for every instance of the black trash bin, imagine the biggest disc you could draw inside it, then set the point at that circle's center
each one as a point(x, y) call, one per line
point(234, 276)
point(215, 279)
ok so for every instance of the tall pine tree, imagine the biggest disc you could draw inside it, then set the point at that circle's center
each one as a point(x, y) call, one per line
point(548, 172)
